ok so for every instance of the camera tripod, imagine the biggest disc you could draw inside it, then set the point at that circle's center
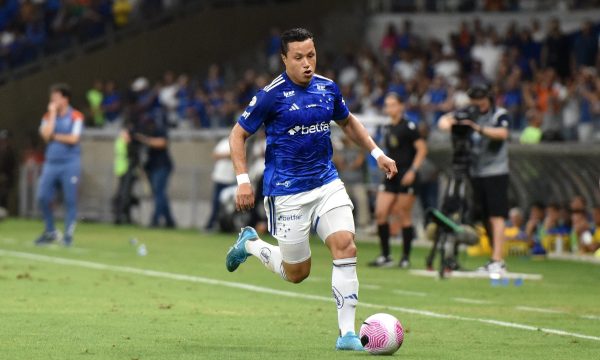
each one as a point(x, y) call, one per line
point(449, 232)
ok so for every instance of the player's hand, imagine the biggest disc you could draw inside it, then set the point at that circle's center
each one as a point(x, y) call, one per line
point(470, 123)
point(408, 178)
point(244, 197)
point(388, 166)
point(52, 108)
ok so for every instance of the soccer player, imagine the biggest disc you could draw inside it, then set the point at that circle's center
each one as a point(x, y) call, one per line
point(61, 129)
point(301, 185)
point(405, 145)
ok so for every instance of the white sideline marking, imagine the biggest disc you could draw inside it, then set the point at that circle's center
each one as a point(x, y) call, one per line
point(539, 310)
point(471, 301)
point(409, 293)
point(591, 317)
point(265, 290)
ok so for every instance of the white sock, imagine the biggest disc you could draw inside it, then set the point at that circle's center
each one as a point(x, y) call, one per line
point(268, 254)
point(344, 284)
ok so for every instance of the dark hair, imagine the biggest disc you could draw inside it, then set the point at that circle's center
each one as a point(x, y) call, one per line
point(63, 89)
point(395, 95)
point(293, 35)
point(479, 91)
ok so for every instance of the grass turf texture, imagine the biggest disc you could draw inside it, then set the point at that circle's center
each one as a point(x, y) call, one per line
point(53, 311)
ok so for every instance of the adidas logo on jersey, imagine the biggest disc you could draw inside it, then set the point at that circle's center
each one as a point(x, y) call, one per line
point(304, 130)
point(294, 107)
point(288, 94)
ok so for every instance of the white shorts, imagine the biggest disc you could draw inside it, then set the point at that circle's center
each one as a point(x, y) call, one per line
point(291, 217)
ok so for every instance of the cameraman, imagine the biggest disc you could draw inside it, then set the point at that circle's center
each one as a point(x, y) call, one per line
point(489, 165)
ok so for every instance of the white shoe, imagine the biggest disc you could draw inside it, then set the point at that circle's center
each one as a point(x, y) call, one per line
point(496, 269)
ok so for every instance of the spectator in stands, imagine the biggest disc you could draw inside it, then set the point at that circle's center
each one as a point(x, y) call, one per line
point(389, 42)
point(112, 104)
point(197, 110)
point(272, 50)
point(121, 11)
point(515, 226)
point(532, 134)
point(585, 46)
point(555, 50)
point(534, 223)
point(94, 98)
point(167, 96)
point(223, 176)
point(595, 243)
point(582, 237)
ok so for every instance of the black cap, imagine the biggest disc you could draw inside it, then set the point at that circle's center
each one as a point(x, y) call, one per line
point(479, 91)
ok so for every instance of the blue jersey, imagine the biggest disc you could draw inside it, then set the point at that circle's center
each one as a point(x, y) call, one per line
point(297, 121)
point(70, 123)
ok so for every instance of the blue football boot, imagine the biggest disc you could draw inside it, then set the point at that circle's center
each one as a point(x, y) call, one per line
point(237, 254)
point(350, 341)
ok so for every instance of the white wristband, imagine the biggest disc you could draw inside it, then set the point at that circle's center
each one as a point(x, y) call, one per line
point(376, 153)
point(243, 179)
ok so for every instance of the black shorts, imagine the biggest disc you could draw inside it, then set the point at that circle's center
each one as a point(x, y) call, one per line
point(394, 185)
point(490, 195)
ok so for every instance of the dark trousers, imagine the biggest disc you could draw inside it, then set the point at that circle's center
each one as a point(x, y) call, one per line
point(159, 178)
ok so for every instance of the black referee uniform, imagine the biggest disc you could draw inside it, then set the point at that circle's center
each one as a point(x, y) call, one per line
point(399, 142)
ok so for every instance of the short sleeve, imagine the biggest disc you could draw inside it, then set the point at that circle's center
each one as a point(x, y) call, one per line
point(413, 132)
point(340, 111)
point(502, 121)
point(256, 113)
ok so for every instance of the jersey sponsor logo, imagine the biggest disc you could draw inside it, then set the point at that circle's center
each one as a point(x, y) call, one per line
point(284, 184)
point(288, 94)
point(311, 106)
point(294, 107)
point(305, 130)
point(293, 217)
point(253, 101)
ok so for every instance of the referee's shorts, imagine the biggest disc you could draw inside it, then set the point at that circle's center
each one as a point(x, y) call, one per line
point(490, 195)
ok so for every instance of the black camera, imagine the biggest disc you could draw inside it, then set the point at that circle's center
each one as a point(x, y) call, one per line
point(461, 137)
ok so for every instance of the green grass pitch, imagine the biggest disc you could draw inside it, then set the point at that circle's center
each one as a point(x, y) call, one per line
point(179, 302)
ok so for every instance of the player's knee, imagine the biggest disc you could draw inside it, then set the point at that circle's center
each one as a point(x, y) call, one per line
point(342, 245)
point(381, 216)
point(296, 276)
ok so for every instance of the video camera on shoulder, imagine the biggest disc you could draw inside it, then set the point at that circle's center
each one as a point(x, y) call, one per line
point(470, 112)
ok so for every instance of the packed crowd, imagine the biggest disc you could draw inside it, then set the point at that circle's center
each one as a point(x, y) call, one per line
point(29, 28)
point(558, 228)
point(550, 95)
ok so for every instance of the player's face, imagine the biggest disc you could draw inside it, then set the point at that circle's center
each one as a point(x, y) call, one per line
point(57, 98)
point(300, 61)
point(483, 104)
point(393, 107)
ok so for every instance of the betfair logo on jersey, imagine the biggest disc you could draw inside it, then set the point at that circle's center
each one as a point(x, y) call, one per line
point(293, 217)
point(288, 94)
point(305, 130)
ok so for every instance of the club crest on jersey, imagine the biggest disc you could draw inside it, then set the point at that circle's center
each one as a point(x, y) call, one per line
point(288, 94)
point(304, 130)
point(321, 87)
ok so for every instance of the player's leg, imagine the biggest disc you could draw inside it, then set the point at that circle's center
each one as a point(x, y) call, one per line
point(69, 181)
point(337, 228)
point(383, 207)
point(403, 207)
point(497, 200)
point(45, 195)
point(290, 225)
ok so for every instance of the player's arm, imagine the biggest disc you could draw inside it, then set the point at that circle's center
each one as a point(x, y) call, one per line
point(47, 127)
point(75, 135)
point(421, 152)
point(357, 133)
point(244, 199)
point(155, 142)
point(446, 121)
